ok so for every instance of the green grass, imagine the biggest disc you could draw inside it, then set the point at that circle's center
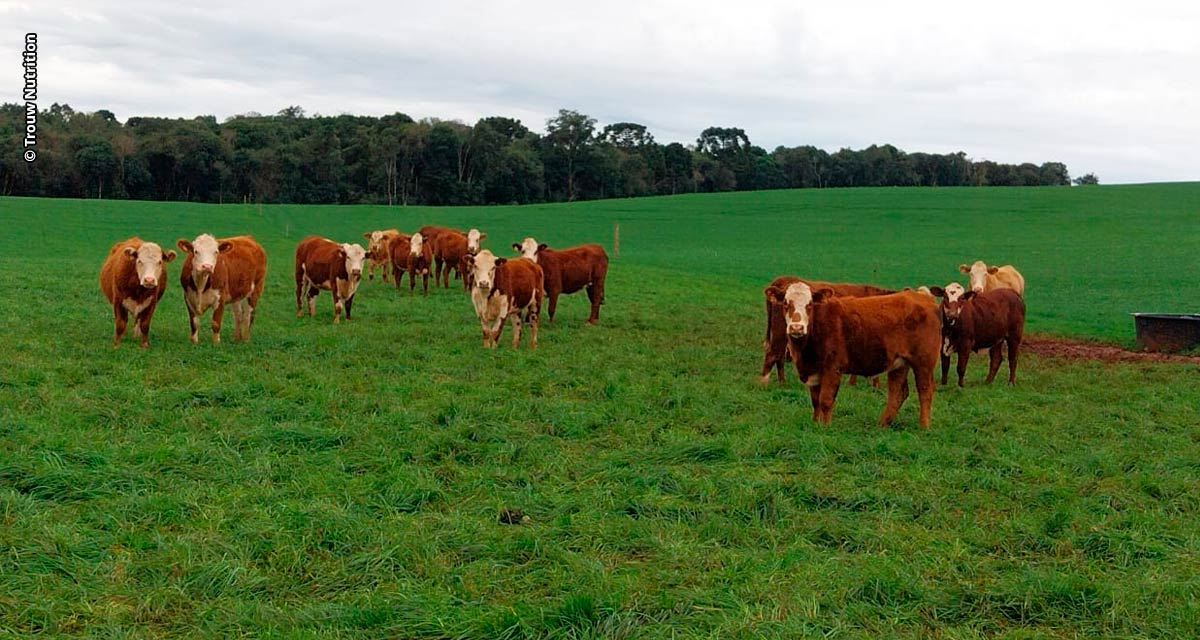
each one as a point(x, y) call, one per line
point(346, 481)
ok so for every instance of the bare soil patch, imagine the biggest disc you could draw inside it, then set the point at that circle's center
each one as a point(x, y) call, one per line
point(1056, 347)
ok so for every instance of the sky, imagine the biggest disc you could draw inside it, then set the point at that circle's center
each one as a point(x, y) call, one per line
point(1112, 89)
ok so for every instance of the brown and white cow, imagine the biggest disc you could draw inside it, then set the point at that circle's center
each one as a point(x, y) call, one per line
point(830, 336)
point(448, 252)
point(973, 321)
point(474, 239)
point(134, 278)
point(775, 351)
point(420, 260)
point(322, 263)
point(398, 249)
point(985, 278)
point(504, 288)
point(229, 271)
point(569, 270)
point(377, 251)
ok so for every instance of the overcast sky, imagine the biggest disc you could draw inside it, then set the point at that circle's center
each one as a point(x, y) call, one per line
point(1111, 90)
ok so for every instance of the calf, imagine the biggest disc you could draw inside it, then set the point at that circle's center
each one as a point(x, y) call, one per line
point(775, 351)
point(474, 237)
point(829, 336)
point(985, 278)
point(974, 321)
point(506, 289)
point(134, 278)
point(322, 263)
point(569, 270)
point(221, 272)
point(420, 258)
point(377, 251)
point(398, 249)
point(449, 249)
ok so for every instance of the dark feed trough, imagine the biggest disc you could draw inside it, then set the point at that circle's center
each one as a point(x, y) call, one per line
point(1167, 331)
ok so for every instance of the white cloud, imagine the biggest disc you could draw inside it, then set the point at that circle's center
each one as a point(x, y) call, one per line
point(1103, 88)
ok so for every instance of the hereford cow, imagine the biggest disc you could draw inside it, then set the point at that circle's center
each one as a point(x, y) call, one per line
point(322, 263)
point(397, 250)
point(829, 336)
point(377, 251)
point(502, 289)
point(985, 278)
point(474, 238)
point(134, 278)
point(449, 249)
point(775, 345)
point(218, 273)
point(974, 321)
point(568, 271)
point(420, 259)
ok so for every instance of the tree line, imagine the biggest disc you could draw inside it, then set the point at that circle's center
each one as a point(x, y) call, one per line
point(290, 157)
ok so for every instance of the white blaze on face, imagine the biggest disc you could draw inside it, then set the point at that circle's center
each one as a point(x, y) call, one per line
point(355, 255)
point(529, 248)
point(375, 244)
point(483, 269)
point(978, 272)
point(473, 241)
point(797, 299)
point(204, 254)
point(416, 244)
point(952, 304)
point(954, 291)
point(149, 259)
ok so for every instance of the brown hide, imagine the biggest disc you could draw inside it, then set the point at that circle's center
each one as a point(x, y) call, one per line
point(572, 269)
point(775, 344)
point(521, 281)
point(869, 336)
point(320, 264)
point(987, 320)
point(421, 264)
point(119, 282)
point(398, 251)
point(239, 274)
point(448, 250)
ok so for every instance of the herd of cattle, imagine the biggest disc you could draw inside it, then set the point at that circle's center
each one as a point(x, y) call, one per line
point(826, 329)
point(231, 271)
point(830, 329)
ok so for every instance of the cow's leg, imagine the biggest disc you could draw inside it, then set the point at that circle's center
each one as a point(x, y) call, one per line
point(425, 283)
point(553, 304)
point(596, 296)
point(299, 293)
point(995, 357)
point(251, 307)
point(218, 316)
point(925, 387)
point(313, 292)
point(853, 381)
point(532, 319)
point(516, 323)
point(120, 322)
point(338, 304)
point(143, 325)
point(194, 321)
point(829, 390)
point(349, 303)
point(964, 355)
point(397, 275)
point(814, 394)
point(897, 394)
point(945, 366)
point(770, 360)
point(1014, 345)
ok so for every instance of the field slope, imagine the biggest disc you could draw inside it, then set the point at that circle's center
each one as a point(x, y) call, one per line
point(346, 481)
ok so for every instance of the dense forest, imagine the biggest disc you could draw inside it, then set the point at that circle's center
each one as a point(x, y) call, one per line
point(293, 158)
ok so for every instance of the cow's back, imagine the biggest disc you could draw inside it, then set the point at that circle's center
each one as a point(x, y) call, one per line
point(245, 266)
point(1007, 277)
point(317, 258)
point(521, 279)
point(873, 332)
point(994, 316)
point(571, 269)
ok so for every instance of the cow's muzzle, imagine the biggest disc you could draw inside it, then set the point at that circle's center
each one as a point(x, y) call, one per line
point(149, 282)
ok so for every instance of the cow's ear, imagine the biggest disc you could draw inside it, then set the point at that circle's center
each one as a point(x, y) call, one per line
point(516, 247)
point(541, 247)
point(500, 261)
point(130, 252)
point(184, 245)
point(225, 247)
point(964, 268)
point(482, 236)
point(968, 295)
point(822, 294)
point(774, 294)
point(169, 255)
point(937, 291)
point(367, 235)
point(993, 270)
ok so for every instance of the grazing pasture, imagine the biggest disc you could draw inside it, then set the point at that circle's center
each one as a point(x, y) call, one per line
point(349, 480)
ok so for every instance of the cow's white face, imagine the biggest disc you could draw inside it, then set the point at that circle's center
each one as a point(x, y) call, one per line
point(204, 250)
point(954, 295)
point(149, 260)
point(529, 249)
point(979, 272)
point(473, 238)
point(416, 244)
point(375, 243)
point(483, 269)
point(797, 309)
point(355, 256)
